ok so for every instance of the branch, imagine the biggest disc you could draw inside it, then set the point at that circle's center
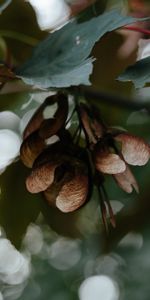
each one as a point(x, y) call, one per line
point(137, 29)
point(115, 99)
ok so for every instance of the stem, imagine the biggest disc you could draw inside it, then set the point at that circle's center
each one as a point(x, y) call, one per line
point(103, 210)
point(19, 37)
point(76, 132)
point(137, 29)
point(69, 119)
point(79, 117)
point(111, 214)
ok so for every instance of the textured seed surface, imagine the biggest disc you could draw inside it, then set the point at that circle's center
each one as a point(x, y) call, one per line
point(109, 163)
point(73, 194)
point(31, 147)
point(134, 149)
point(41, 178)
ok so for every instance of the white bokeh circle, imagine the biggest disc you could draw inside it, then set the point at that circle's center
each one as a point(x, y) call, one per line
point(10, 138)
point(50, 13)
point(10, 144)
point(9, 120)
point(14, 266)
point(98, 287)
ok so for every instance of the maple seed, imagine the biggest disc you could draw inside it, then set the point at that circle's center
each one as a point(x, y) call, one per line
point(41, 178)
point(59, 116)
point(109, 163)
point(72, 195)
point(31, 147)
point(86, 124)
point(127, 181)
point(39, 129)
point(134, 149)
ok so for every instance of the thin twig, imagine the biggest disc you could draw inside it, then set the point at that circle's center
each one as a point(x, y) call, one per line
point(138, 29)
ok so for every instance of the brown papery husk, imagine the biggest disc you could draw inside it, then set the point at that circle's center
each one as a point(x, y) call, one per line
point(135, 150)
point(64, 150)
point(41, 177)
point(37, 119)
point(70, 191)
point(31, 147)
point(51, 126)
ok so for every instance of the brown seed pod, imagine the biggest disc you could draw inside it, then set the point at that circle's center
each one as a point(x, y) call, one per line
point(46, 171)
point(63, 150)
point(92, 122)
point(127, 181)
point(87, 123)
point(31, 147)
point(48, 154)
point(37, 118)
point(135, 150)
point(41, 177)
point(55, 152)
point(107, 162)
point(43, 115)
point(70, 191)
point(73, 194)
point(51, 126)
point(97, 124)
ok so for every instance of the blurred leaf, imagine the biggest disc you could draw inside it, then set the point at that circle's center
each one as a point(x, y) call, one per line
point(61, 59)
point(18, 208)
point(12, 102)
point(3, 49)
point(6, 74)
point(4, 5)
point(138, 117)
point(16, 102)
point(138, 73)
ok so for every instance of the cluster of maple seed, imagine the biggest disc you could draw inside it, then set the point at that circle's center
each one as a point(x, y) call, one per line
point(65, 170)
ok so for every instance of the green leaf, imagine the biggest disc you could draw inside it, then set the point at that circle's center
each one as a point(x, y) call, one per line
point(139, 73)
point(4, 5)
point(61, 60)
